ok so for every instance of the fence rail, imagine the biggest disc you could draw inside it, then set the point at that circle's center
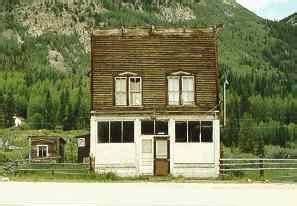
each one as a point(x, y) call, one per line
point(257, 165)
point(13, 167)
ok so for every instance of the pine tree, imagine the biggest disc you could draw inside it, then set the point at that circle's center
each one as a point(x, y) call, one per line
point(77, 110)
point(48, 112)
point(2, 120)
point(9, 110)
point(247, 135)
point(63, 109)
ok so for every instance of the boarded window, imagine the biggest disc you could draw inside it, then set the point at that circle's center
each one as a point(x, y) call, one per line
point(135, 91)
point(147, 127)
point(161, 127)
point(120, 91)
point(188, 90)
point(128, 131)
point(206, 131)
point(173, 90)
point(103, 132)
point(194, 131)
point(116, 132)
point(181, 131)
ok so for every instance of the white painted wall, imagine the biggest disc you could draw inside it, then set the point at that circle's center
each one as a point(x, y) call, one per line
point(193, 153)
point(187, 159)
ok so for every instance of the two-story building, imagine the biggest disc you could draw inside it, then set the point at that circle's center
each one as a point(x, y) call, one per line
point(155, 102)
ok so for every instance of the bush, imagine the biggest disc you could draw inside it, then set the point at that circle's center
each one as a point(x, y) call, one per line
point(277, 152)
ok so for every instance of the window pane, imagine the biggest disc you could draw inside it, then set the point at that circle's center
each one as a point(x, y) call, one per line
point(181, 132)
point(188, 83)
point(194, 131)
point(135, 99)
point(135, 91)
point(147, 127)
point(135, 84)
point(161, 127)
point(206, 131)
point(173, 90)
point(188, 98)
point(128, 131)
point(121, 99)
point(188, 90)
point(44, 151)
point(115, 132)
point(173, 98)
point(120, 85)
point(161, 149)
point(120, 91)
point(103, 132)
point(173, 84)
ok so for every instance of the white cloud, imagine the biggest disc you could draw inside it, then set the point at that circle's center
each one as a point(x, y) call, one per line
point(255, 5)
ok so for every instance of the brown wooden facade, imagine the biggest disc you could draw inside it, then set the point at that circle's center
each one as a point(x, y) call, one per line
point(154, 54)
point(52, 146)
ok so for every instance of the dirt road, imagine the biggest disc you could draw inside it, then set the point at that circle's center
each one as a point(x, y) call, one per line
point(147, 194)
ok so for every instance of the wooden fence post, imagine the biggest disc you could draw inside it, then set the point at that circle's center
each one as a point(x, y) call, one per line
point(92, 164)
point(221, 166)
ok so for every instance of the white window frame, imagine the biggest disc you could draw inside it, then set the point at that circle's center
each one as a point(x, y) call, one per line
point(183, 91)
point(116, 92)
point(42, 145)
point(200, 137)
point(122, 132)
point(170, 92)
point(130, 92)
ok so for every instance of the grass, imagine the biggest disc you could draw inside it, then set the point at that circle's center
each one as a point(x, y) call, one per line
point(88, 177)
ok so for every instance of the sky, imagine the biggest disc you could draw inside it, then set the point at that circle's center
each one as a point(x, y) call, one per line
point(271, 9)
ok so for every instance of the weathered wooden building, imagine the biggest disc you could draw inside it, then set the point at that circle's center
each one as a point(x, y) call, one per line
point(46, 148)
point(155, 102)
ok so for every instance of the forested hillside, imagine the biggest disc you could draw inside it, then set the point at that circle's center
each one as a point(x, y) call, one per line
point(44, 60)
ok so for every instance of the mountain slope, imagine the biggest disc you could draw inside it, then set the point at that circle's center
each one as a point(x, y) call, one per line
point(45, 49)
point(292, 19)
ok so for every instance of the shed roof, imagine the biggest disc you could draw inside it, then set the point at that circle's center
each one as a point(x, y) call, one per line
point(48, 137)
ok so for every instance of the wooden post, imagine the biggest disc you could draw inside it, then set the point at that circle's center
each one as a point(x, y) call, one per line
point(261, 166)
point(92, 164)
point(221, 161)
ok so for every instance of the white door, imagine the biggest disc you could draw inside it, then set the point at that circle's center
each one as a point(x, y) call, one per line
point(147, 156)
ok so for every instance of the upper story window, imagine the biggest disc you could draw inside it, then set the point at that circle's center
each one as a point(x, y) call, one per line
point(128, 91)
point(181, 90)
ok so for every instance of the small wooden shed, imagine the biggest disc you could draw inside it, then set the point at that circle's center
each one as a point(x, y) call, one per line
point(46, 148)
point(83, 144)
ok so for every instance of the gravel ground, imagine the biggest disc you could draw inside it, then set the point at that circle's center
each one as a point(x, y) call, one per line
point(147, 194)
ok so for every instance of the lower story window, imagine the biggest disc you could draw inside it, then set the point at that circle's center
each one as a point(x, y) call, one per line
point(154, 127)
point(42, 150)
point(115, 132)
point(193, 131)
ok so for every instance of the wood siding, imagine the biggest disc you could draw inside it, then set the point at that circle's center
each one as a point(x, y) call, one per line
point(55, 148)
point(154, 56)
